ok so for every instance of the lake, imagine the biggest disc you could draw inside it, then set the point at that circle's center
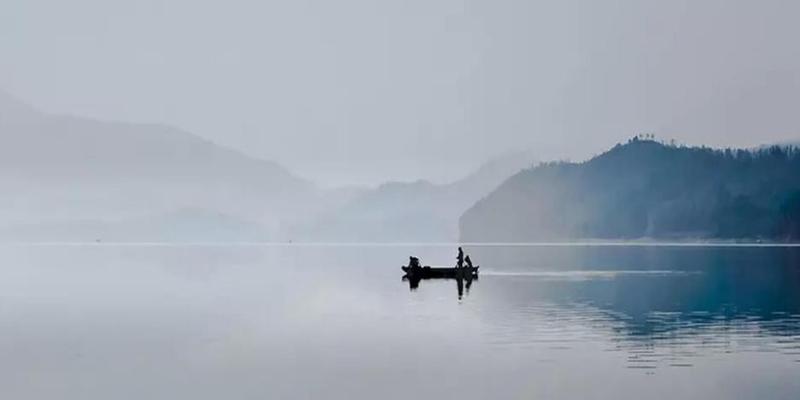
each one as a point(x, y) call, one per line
point(338, 322)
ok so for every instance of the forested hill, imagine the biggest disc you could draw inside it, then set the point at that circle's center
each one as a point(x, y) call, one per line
point(646, 189)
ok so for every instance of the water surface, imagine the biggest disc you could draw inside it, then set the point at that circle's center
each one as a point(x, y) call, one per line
point(242, 322)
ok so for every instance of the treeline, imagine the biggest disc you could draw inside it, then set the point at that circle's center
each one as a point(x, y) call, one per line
point(648, 189)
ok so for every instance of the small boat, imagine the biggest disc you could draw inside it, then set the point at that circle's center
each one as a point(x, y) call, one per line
point(427, 272)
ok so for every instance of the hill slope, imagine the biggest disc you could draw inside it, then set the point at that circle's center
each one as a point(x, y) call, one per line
point(646, 189)
point(59, 169)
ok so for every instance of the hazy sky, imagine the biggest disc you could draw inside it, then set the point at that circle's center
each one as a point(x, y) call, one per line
point(364, 90)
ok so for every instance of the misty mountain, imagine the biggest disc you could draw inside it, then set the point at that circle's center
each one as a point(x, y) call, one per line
point(42, 146)
point(645, 189)
point(411, 211)
point(59, 169)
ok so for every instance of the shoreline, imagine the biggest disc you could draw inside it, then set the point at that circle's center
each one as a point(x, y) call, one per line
point(582, 243)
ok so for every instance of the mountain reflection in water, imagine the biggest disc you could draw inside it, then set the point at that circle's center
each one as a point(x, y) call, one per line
point(662, 306)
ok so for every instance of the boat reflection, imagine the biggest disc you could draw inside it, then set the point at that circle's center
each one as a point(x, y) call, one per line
point(463, 283)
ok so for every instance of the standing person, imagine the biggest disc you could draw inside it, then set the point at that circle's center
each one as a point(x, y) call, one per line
point(468, 261)
point(460, 258)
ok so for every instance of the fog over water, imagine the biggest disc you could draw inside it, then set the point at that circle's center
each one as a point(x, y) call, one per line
point(364, 92)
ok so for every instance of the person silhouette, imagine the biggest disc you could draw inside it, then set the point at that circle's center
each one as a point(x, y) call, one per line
point(468, 261)
point(460, 258)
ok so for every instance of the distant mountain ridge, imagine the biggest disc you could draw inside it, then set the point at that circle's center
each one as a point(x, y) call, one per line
point(40, 145)
point(56, 170)
point(67, 178)
point(646, 189)
point(418, 211)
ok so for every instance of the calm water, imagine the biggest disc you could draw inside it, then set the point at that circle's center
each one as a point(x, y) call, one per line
point(544, 322)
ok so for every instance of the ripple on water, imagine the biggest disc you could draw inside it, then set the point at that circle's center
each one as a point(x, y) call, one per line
point(673, 339)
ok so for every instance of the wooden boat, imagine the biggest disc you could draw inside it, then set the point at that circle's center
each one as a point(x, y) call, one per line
point(428, 272)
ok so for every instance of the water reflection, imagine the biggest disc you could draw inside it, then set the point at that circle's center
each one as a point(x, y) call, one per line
point(662, 307)
point(334, 322)
point(463, 284)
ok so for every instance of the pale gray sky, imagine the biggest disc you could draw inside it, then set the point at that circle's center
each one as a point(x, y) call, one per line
point(364, 91)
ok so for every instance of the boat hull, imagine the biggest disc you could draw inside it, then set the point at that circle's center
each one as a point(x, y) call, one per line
point(431, 272)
